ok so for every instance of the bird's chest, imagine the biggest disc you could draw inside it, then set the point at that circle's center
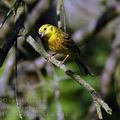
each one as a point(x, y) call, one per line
point(57, 45)
point(54, 45)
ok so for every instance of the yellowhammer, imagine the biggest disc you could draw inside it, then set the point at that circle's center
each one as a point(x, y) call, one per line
point(59, 42)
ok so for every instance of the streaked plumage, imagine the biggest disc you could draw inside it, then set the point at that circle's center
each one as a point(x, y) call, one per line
point(60, 42)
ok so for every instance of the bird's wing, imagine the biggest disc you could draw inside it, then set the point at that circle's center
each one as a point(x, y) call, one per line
point(70, 44)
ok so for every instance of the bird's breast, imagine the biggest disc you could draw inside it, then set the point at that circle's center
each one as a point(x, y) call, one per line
point(57, 46)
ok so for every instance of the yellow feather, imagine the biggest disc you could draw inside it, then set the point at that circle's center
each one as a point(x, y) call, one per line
point(60, 42)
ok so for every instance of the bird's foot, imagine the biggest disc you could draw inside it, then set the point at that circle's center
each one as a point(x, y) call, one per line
point(50, 56)
point(64, 59)
point(62, 62)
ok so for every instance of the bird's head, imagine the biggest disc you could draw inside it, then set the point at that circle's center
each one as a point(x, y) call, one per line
point(46, 31)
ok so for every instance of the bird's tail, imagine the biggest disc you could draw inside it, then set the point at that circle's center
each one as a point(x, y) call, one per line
point(84, 69)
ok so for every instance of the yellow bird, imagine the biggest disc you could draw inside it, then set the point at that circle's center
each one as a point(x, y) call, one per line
point(60, 42)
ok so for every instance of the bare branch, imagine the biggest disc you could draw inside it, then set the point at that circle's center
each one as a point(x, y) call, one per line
point(71, 74)
point(95, 26)
point(111, 64)
point(10, 62)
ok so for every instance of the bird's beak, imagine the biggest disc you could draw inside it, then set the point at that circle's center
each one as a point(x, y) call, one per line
point(41, 34)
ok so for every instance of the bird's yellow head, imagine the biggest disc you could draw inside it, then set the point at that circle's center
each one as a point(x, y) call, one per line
point(46, 31)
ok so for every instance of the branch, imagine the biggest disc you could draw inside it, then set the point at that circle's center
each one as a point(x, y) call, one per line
point(97, 25)
point(111, 64)
point(11, 11)
point(19, 24)
point(96, 98)
point(9, 66)
point(36, 13)
point(40, 8)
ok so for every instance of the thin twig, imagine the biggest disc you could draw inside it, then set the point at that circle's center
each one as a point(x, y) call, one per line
point(58, 12)
point(98, 110)
point(9, 66)
point(61, 15)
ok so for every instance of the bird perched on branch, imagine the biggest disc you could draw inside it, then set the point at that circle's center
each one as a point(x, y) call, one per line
point(60, 42)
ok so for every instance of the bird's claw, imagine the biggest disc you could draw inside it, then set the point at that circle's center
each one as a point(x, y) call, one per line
point(50, 56)
point(61, 63)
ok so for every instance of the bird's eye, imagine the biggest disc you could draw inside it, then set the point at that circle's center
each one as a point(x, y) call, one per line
point(44, 28)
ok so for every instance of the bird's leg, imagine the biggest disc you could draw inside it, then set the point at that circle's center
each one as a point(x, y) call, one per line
point(64, 59)
point(51, 55)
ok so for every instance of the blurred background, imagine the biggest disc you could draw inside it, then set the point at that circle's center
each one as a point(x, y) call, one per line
point(42, 90)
